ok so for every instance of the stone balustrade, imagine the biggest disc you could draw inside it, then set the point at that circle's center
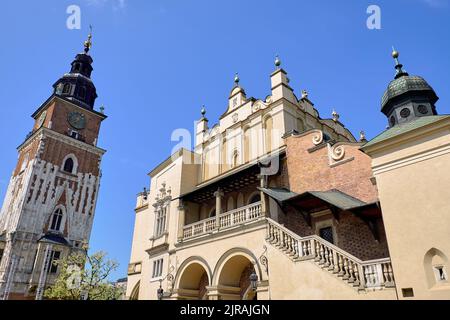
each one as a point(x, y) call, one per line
point(226, 220)
point(374, 274)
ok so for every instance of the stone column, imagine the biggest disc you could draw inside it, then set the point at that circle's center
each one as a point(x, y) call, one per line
point(181, 220)
point(218, 194)
point(264, 198)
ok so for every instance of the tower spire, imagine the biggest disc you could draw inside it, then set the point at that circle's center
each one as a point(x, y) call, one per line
point(88, 42)
point(398, 65)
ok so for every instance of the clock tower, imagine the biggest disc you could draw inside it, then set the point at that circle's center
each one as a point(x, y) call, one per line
point(50, 202)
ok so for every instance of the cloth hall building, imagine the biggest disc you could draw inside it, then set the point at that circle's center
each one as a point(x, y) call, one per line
point(275, 202)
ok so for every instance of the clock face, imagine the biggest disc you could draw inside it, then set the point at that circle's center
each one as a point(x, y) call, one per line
point(42, 119)
point(77, 120)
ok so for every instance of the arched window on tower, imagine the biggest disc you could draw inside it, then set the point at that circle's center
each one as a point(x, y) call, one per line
point(57, 218)
point(68, 165)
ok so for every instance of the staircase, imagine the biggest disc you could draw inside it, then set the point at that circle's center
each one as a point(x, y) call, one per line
point(362, 275)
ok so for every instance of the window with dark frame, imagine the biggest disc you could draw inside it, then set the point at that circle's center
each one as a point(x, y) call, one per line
point(327, 234)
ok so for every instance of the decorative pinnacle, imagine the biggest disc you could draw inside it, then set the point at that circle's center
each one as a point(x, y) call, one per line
point(398, 65)
point(236, 78)
point(88, 42)
point(277, 62)
point(362, 136)
point(203, 111)
point(304, 94)
point(335, 115)
point(102, 109)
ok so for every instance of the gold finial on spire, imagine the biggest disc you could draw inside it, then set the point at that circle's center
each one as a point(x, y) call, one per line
point(88, 42)
point(398, 65)
point(395, 53)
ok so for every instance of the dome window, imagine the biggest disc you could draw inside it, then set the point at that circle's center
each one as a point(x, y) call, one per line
point(405, 113)
point(422, 109)
point(66, 89)
point(392, 121)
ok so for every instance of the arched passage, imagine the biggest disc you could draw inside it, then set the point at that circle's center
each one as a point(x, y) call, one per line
point(232, 275)
point(193, 281)
point(135, 293)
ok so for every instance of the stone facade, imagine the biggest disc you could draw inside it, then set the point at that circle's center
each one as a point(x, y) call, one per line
point(237, 210)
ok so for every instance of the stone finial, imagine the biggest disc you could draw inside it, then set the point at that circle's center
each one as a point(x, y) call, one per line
point(335, 116)
point(362, 136)
point(236, 79)
point(304, 94)
point(203, 111)
point(102, 109)
point(277, 62)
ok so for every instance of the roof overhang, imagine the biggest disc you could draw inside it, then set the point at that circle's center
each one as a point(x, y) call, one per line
point(235, 179)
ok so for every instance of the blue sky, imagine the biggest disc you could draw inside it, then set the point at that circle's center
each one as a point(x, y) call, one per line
point(156, 62)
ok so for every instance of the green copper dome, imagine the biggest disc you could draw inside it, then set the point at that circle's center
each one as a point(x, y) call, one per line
point(407, 85)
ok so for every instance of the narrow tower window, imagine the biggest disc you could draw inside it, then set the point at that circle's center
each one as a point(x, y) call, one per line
point(56, 220)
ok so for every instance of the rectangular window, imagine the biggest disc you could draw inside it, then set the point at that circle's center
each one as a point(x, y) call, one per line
point(157, 268)
point(407, 292)
point(160, 221)
point(327, 234)
point(55, 255)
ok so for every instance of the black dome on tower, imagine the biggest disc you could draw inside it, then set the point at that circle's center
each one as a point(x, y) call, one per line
point(77, 85)
point(407, 97)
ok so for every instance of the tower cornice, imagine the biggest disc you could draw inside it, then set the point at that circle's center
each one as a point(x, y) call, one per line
point(43, 133)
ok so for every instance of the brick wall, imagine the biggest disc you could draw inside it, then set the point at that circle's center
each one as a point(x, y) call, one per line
point(352, 233)
point(311, 171)
point(55, 152)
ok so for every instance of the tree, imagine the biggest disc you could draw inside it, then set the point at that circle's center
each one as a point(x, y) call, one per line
point(84, 277)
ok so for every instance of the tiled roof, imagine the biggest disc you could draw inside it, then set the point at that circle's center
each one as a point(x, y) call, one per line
point(334, 197)
point(403, 128)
